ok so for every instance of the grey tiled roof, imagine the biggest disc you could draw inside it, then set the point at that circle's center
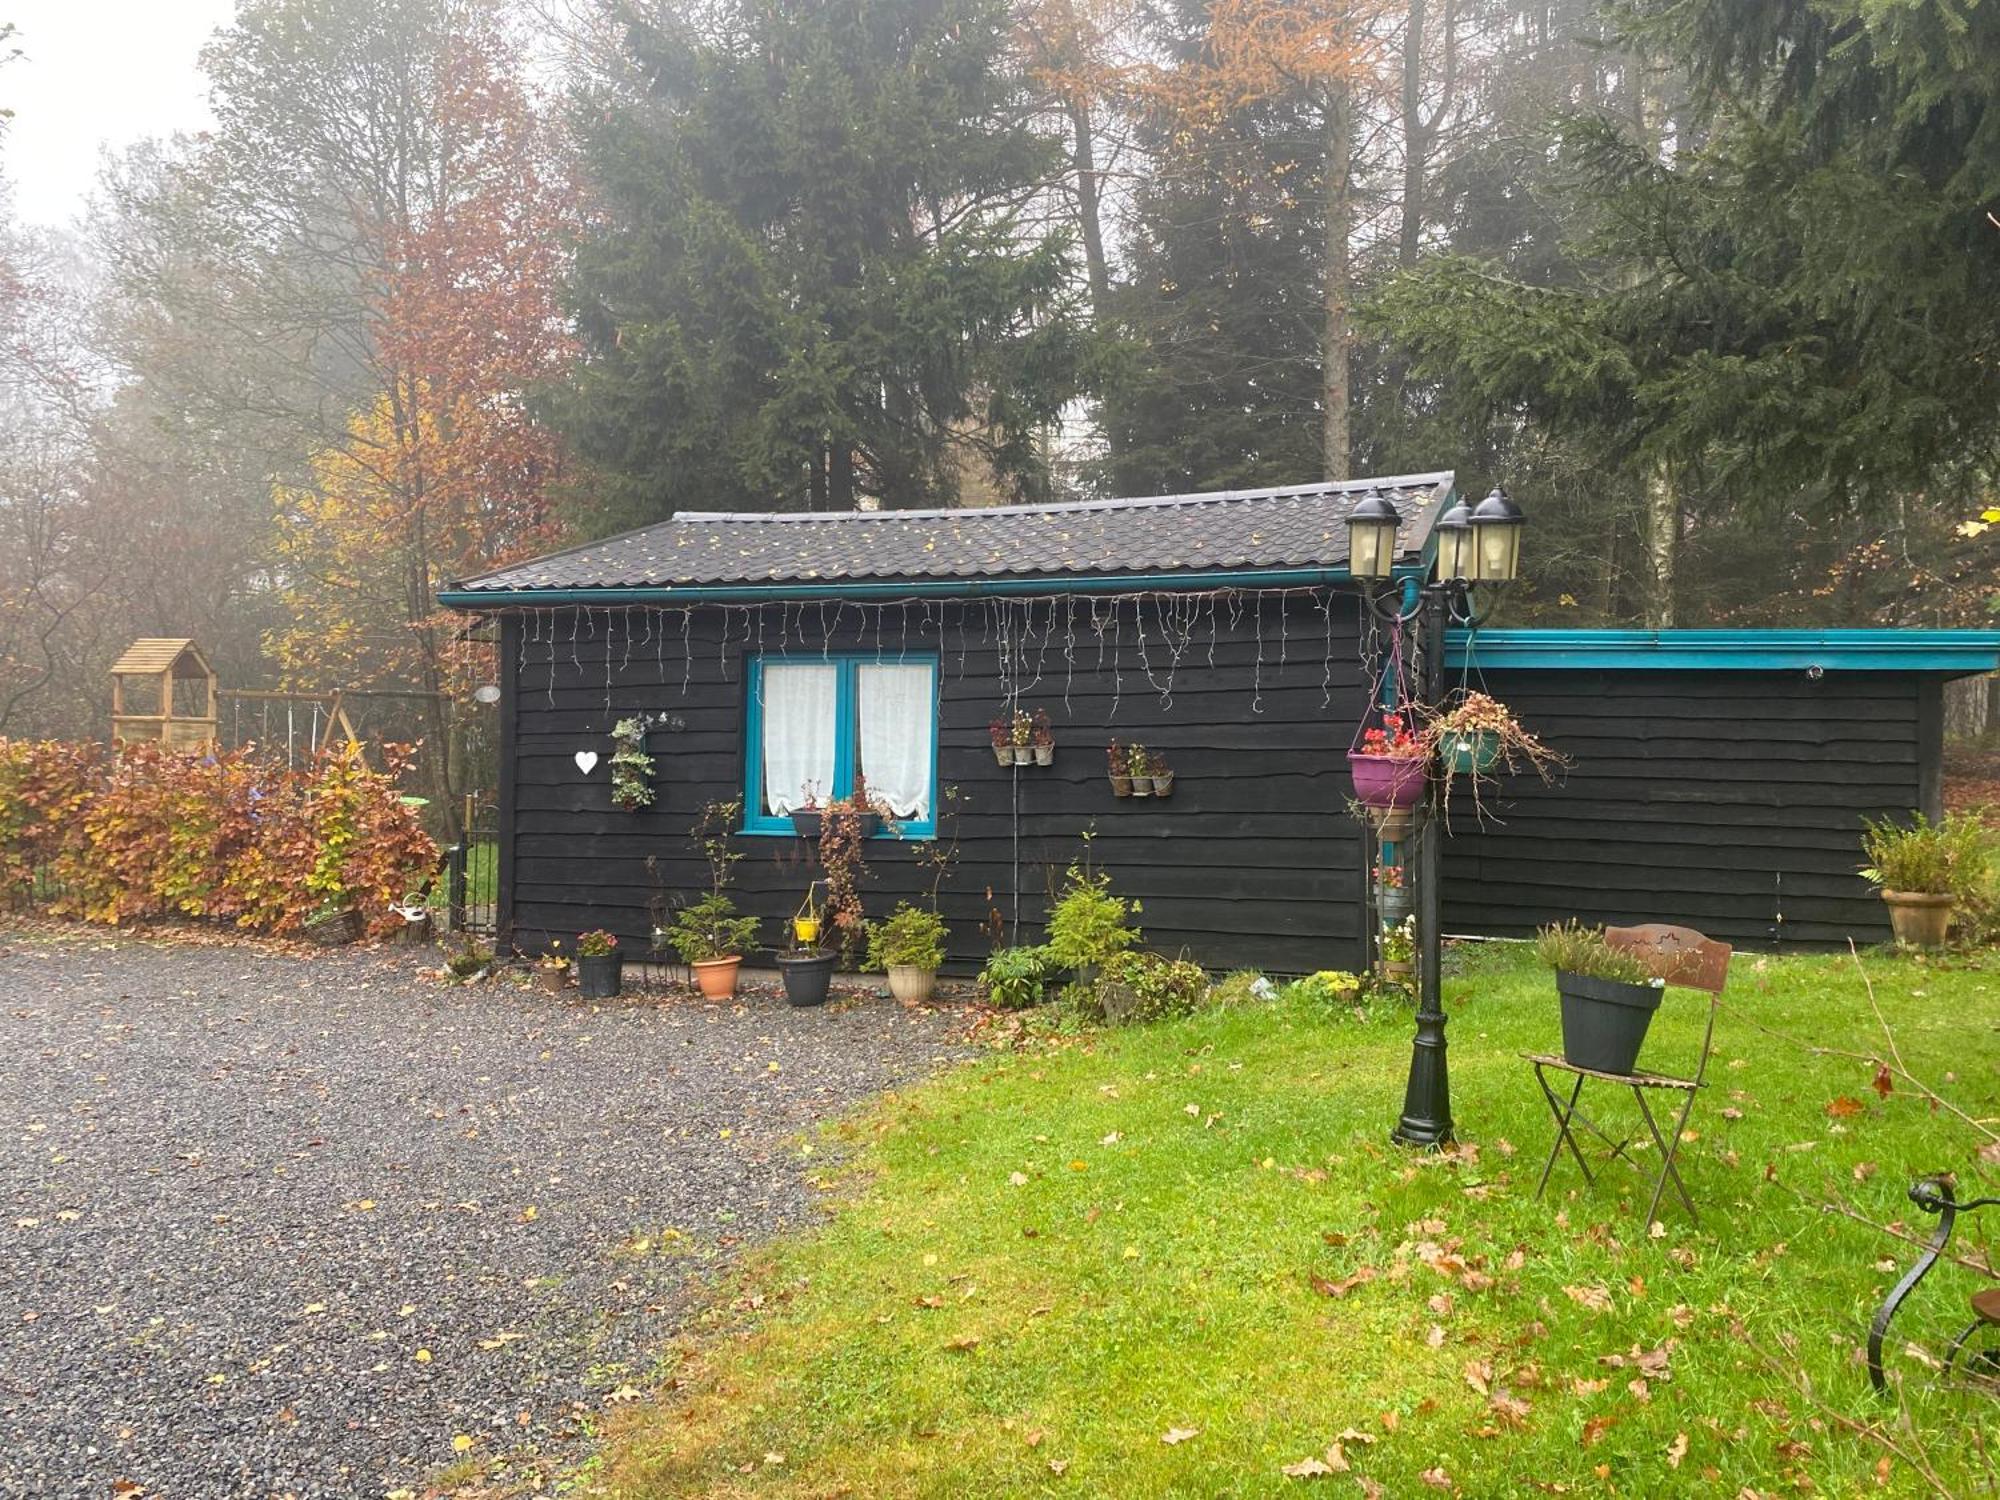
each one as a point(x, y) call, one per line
point(1293, 526)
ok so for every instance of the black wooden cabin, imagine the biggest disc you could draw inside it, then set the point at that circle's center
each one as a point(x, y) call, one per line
point(1219, 630)
point(1719, 778)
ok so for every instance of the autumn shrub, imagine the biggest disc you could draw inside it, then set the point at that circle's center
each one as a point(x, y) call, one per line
point(143, 832)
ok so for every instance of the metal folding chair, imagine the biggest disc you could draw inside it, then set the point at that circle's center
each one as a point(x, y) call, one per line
point(1934, 1195)
point(1679, 956)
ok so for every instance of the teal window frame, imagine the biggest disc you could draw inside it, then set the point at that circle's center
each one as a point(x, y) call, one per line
point(847, 723)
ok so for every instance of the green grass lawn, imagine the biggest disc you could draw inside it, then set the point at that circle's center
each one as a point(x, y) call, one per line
point(1041, 1265)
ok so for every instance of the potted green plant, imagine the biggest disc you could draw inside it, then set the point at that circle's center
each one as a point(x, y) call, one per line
point(909, 947)
point(1088, 924)
point(1001, 733)
point(1012, 978)
point(1044, 738)
point(631, 766)
point(600, 967)
point(1924, 870)
point(1021, 738)
point(1399, 949)
point(1608, 997)
point(1139, 766)
point(711, 938)
point(1163, 774)
point(1119, 768)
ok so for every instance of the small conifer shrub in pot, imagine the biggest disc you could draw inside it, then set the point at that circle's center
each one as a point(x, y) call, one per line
point(1608, 997)
point(600, 967)
point(909, 946)
point(711, 939)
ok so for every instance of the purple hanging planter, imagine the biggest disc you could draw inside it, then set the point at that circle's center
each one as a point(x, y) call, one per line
point(1386, 781)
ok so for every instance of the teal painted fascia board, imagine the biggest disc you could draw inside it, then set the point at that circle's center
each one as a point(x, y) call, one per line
point(922, 588)
point(1951, 653)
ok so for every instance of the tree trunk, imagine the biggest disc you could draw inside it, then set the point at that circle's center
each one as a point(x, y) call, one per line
point(1663, 544)
point(1090, 212)
point(1339, 130)
point(840, 477)
point(1416, 136)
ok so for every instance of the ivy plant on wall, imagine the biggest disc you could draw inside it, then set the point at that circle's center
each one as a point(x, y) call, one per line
point(631, 766)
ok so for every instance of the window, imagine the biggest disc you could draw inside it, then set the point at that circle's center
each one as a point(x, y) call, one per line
point(819, 725)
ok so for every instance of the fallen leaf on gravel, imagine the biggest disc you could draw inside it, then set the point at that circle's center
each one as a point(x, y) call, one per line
point(623, 1394)
point(461, 1444)
point(528, 1214)
point(422, 1356)
point(406, 1309)
point(1174, 1435)
point(501, 1340)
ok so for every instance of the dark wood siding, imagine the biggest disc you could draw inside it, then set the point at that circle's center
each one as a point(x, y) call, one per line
point(1252, 861)
point(1722, 800)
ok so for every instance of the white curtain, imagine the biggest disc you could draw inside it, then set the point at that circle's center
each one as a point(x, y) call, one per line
point(799, 710)
point(897, 724)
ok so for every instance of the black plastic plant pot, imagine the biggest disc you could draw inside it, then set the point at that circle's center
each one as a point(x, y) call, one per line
point(1604, 1021)
point(600, 976)
point(806, 824)
point(807, 976)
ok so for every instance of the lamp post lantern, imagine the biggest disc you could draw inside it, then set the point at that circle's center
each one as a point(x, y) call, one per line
point(1478, 547)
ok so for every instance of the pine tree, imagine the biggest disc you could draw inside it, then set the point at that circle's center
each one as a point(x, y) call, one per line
point(816, 277)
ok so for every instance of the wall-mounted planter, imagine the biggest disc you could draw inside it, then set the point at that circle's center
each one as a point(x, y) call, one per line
point(1394, 903)
point(1163, 783)
point(1121, 786)
point(1386, 781)
point(1045, 755)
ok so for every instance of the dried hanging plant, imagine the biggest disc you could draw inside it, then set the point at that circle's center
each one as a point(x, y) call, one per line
point(1476, 735)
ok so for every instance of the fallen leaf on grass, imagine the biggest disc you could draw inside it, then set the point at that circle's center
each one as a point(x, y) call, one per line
point(1307, 1468)
point(1058, 1466)
point(1595, 1428)
point(1343, 1286)
point(1596, 1298)
point(965, 1344)
point(1176, 1435)
point(1677, 1450)
point(1436, 1478)
point(1884, 1082)
point(1843, 1107)
point(1479, 1375)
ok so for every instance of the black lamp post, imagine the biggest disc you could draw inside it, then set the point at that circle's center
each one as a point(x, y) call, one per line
point(1477, 546)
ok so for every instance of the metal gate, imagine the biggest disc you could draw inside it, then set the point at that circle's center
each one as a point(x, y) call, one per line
point(472, 871)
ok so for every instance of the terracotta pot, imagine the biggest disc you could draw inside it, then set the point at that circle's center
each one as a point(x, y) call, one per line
point(1121, 786)
point(1918, 918)
point(555, 981)
point(717, 976)
point(912, 986)
point(1386, 780)
point(1045, 755)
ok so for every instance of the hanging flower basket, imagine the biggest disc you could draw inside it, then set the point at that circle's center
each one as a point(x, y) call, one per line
point(1472, 753)
point(1386, 781)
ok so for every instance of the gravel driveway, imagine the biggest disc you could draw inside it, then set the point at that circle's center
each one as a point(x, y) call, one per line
point(288, 1226)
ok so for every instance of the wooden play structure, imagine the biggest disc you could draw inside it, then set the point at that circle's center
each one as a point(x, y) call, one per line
point(163, 692)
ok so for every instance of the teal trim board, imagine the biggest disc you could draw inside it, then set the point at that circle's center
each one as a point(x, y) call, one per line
point(1948, 653)
point(845, 739)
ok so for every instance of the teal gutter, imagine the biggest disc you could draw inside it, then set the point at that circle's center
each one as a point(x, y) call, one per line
point(1951, 653)
point(921, 588)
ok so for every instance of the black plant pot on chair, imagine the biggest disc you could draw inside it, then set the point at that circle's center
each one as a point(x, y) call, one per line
point(1604, 1021)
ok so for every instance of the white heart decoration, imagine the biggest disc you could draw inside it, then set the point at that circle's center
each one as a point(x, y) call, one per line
point(586, 761)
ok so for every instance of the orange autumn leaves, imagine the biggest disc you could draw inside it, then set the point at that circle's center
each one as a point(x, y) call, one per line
point(446, 471)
